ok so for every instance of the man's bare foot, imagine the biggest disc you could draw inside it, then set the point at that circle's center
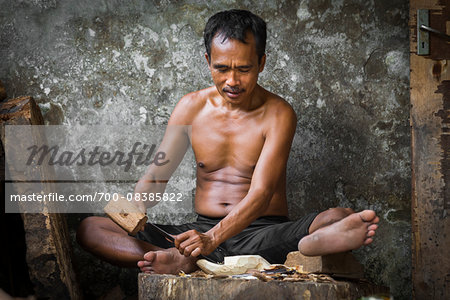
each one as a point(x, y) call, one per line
point(347, 234)
point(167, 261)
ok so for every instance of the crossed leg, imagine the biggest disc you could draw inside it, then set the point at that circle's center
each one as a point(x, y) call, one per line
point(107, 240)
point(348, 233)
point(332, 231)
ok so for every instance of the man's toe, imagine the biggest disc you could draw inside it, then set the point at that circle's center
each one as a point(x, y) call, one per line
point(368, 215)
point(149, 256)
point(373, 227)
point(368, 241)
point(143, 263)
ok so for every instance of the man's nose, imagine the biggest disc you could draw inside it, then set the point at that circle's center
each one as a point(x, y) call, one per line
point(233, 79)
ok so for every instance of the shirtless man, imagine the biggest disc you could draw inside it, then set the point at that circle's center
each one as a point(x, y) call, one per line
point(241, 137)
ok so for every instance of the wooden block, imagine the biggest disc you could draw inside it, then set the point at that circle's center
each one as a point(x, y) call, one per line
point(339, 264)
point(126, 215)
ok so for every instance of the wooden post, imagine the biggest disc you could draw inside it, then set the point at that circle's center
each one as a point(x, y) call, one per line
point(430, 141)
point(48, 242)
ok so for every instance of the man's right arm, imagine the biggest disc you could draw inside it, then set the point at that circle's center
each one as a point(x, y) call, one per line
point(174, 146)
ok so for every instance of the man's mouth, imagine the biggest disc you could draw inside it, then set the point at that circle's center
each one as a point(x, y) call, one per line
point(233, 92)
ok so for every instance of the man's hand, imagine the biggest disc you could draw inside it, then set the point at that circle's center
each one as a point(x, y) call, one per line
point(194, 243)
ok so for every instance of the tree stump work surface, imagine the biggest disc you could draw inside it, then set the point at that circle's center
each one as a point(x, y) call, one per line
point(176, 287)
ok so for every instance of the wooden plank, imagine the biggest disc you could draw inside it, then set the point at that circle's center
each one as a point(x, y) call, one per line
point(176, 287)
point(430, 107)
point(47, 238)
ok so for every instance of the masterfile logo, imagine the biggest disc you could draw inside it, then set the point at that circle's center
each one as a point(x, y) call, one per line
point(78, 168)
point(95, 156)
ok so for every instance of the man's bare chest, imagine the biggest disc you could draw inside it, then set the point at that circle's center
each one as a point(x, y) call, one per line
point(220, 142)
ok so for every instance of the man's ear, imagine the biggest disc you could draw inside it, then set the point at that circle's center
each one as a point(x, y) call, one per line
point(262, 62)
point(207, 58)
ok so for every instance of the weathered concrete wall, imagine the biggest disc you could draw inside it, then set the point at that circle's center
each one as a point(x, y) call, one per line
point(343, 65)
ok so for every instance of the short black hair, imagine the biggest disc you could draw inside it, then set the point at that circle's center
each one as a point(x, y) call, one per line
point(234, 24)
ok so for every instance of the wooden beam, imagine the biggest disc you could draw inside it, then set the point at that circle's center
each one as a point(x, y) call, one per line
point(48, 242)
point(430, 143)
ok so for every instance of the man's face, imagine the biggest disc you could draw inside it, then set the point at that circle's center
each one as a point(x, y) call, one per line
point(235, 68)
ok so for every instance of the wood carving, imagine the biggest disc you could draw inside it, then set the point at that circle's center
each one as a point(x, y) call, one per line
point(234, 265)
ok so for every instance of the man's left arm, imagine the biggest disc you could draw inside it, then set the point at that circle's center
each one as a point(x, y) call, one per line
point(269, 168)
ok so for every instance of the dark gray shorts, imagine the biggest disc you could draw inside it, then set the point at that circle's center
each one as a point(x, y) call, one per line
point(272, 237)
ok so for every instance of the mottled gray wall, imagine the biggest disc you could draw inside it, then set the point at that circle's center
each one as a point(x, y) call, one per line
point(343, 65)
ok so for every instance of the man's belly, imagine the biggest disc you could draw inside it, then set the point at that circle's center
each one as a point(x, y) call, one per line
point(217, 198)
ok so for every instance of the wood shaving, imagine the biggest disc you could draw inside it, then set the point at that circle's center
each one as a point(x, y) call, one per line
point(275, 267)
point(274, 272)
point(262, 276)
point(220, 276)
point(199, 274)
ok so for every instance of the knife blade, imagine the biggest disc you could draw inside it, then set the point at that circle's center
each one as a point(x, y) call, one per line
point(220, 253)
